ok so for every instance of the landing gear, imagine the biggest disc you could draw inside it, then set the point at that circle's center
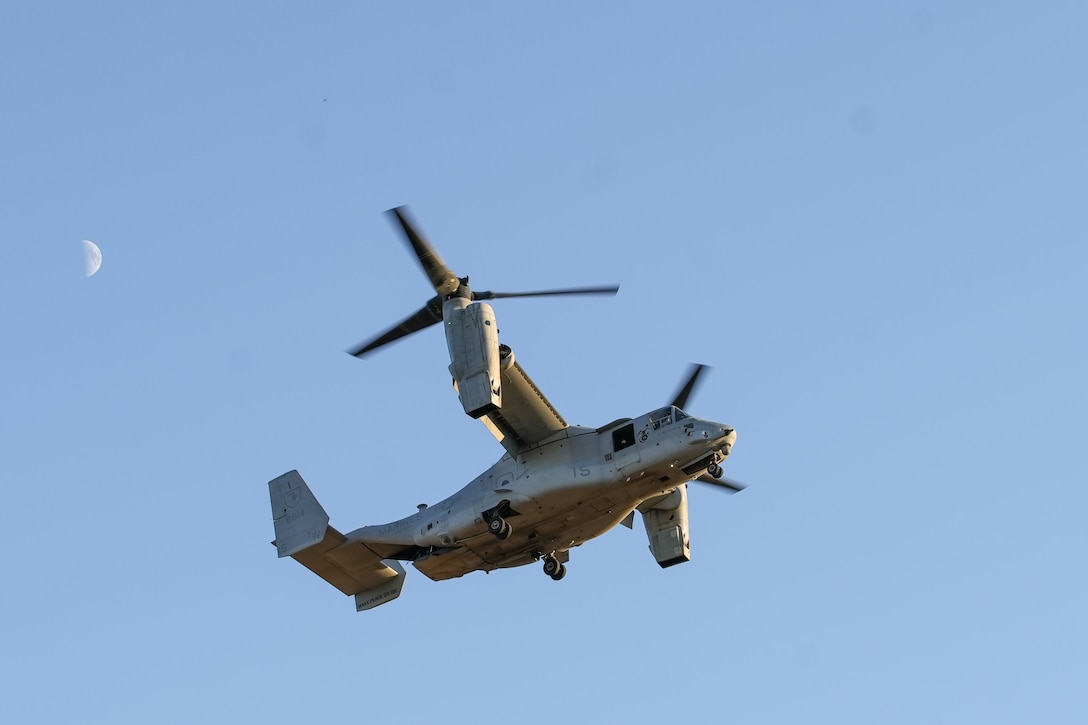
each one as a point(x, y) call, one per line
point(553, 568)
point(499, 528)
point(715, 470)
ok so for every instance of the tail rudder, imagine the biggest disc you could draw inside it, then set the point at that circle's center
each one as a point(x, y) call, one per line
point(299, 519)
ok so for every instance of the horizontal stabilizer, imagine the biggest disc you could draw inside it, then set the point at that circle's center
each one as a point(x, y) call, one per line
point(304, 534)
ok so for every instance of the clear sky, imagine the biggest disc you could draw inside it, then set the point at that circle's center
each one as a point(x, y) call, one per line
point(869, 218)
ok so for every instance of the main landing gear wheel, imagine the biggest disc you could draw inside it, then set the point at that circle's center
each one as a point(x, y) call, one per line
point(553, 568)
point(499, 528)
point(715, 470)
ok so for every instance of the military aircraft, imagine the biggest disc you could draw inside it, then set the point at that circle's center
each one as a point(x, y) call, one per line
point(555, 487)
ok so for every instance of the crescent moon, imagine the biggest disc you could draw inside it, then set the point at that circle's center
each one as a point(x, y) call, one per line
point(92, 257)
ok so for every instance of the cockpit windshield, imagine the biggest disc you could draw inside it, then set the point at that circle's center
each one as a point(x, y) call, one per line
point(667, 416)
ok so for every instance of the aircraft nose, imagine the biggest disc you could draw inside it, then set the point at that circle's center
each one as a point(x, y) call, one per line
point(729, 437)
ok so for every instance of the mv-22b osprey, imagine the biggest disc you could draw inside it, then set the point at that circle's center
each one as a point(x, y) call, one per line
point(556, 487)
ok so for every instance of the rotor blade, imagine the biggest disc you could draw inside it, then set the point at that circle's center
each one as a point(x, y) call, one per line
point(728, 484)
point(682, 395)
point(611, 290)
point(429, 315)
point(441, 277)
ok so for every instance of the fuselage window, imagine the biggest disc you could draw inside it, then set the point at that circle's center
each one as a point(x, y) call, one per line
point(623, 437)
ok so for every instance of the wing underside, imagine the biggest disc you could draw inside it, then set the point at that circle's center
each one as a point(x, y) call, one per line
point(526, 417)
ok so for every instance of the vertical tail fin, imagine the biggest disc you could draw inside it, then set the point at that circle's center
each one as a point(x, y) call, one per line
point(299, 519)
point(304, 534)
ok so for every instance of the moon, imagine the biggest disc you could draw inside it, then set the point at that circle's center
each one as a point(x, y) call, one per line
point(92, 257)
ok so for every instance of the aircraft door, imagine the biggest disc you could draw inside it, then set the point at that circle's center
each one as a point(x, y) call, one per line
point(624, 446)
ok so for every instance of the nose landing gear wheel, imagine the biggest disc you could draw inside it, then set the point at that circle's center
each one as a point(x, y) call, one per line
point(715, 470)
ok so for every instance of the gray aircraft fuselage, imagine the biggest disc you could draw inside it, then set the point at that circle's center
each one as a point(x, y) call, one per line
point(558, 494)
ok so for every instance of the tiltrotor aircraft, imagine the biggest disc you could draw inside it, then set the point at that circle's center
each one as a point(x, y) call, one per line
point(556, 487)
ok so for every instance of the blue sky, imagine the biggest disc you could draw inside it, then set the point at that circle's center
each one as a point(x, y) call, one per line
point(868, 218)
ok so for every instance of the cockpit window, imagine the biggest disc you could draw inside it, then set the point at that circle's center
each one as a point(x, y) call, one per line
point(661, 418)
point(666, 416)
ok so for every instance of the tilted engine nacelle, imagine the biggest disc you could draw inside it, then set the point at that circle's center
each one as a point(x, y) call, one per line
point(472, 336)
point(666, 521)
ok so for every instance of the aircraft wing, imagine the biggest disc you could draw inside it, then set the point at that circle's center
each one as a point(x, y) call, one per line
point(526, 417)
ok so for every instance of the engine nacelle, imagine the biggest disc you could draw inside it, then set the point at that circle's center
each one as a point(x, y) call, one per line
point(666, 524)
point(472, 336)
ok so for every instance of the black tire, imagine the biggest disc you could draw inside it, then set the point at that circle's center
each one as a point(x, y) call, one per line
point(496, 526)
point(552, 566)
point(561, 573)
